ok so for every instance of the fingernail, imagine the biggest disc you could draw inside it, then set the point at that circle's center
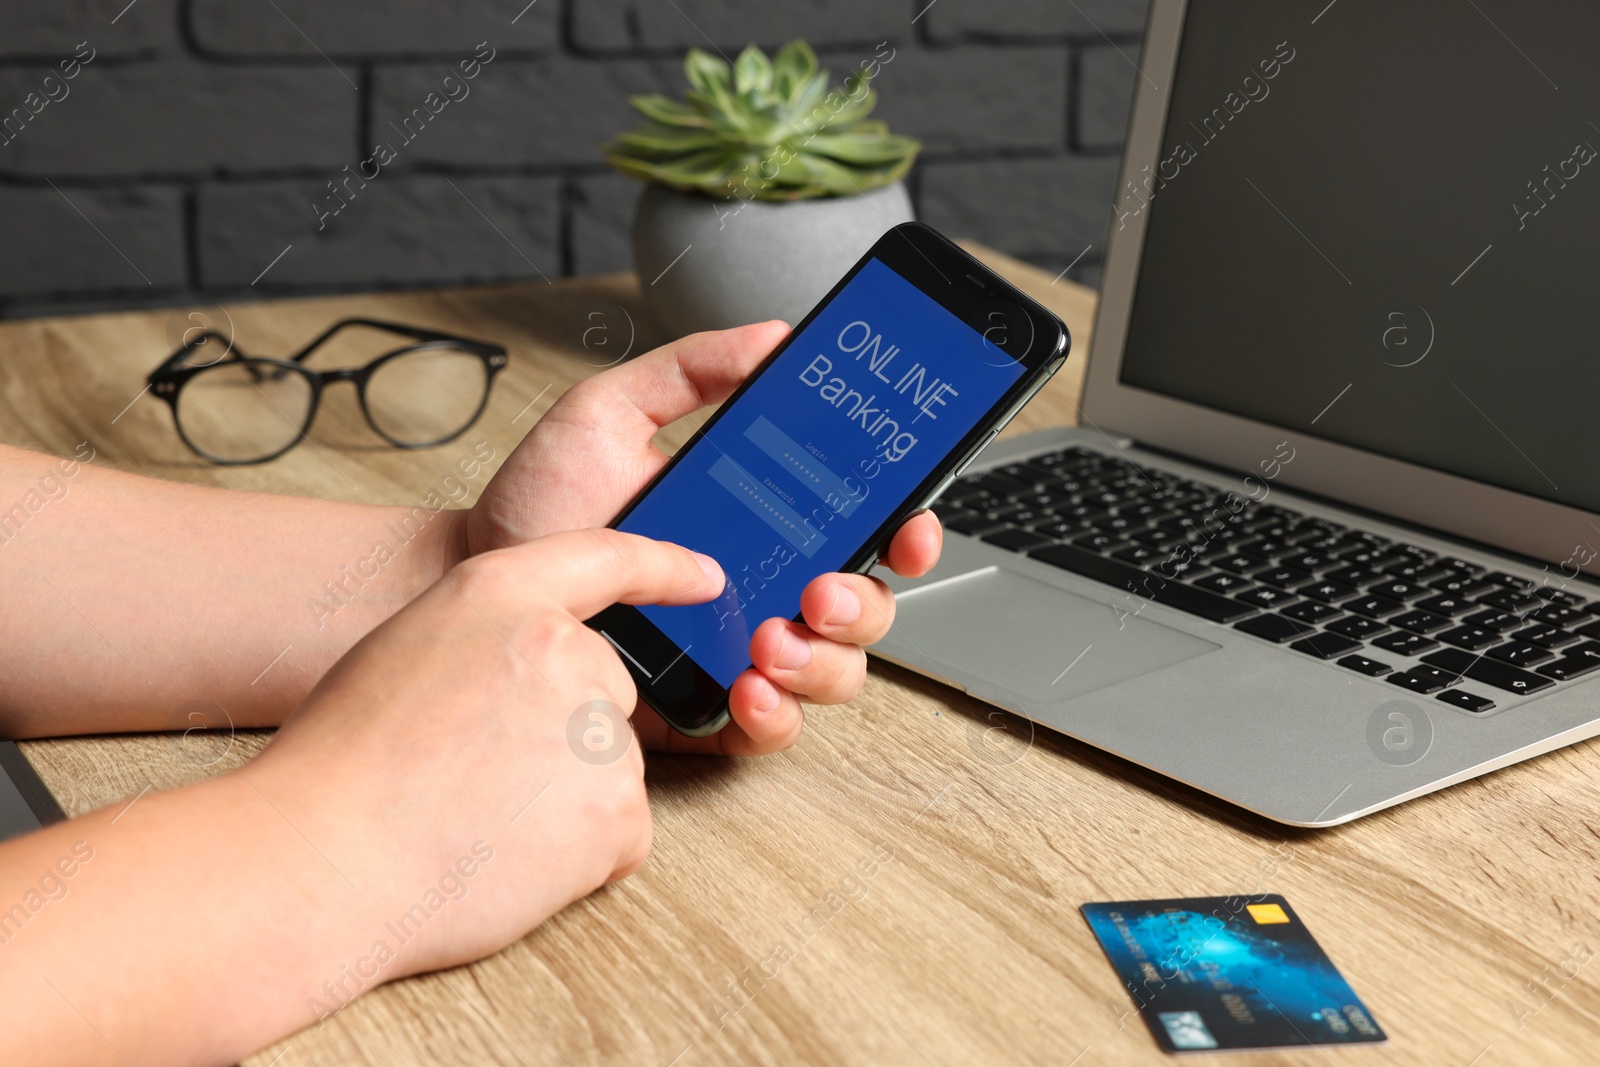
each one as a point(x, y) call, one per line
point(769, 699)
point(793, 653)
point(846, 607)
point(712, 568)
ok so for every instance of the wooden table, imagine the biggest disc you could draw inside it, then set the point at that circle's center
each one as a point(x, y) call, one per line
point(963, 945)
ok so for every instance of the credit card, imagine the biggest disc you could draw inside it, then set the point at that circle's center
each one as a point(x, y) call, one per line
point(1211, 973)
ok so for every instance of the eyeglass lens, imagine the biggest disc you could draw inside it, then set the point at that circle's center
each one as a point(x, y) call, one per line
point(425, 395)
point(244, 410)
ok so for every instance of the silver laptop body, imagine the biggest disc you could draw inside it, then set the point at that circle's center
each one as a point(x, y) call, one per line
point(1318, 309)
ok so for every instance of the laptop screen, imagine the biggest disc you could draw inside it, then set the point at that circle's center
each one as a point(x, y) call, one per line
point(1379, 224)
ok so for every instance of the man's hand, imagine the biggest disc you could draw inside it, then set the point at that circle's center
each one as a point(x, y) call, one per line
point(592, 452)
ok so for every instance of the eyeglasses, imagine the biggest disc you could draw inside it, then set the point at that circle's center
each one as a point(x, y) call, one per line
point(239, 409)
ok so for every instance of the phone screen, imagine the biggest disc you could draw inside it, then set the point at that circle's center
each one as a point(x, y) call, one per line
point(821, 449)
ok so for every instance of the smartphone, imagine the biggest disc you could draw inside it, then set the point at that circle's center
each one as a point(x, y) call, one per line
point(868, 409)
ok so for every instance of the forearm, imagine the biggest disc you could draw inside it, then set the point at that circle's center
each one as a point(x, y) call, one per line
point(130, 600)
point(192, 927)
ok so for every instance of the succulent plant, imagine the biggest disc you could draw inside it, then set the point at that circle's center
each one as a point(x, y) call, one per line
point(765, 129)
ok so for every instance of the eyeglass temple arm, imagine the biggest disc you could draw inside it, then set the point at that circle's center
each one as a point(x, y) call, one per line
point(176, 360)
point(413, 332)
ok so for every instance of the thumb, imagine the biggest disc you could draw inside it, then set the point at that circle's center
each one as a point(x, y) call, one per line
point(587, 571)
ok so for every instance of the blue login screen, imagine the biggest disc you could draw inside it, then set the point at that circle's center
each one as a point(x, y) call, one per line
point(816, 455)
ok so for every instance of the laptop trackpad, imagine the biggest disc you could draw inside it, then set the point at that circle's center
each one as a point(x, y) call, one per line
point(1038, 641)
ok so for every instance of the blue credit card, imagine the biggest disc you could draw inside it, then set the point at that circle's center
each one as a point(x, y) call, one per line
point(1211, 973)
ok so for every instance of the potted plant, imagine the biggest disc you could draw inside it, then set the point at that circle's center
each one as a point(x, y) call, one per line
point(763, 187)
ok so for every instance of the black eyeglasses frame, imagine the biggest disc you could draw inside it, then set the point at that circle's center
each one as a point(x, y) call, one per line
point(167, 380)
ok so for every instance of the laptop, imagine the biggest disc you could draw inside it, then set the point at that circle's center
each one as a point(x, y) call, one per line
point(25, 802)
point(1327, 535)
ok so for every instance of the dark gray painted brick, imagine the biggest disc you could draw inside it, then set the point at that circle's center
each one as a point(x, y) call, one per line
point(399, 230)
point(1028, 207)
point(602, 223)
point(1105, 89)
point(51, 248)
point(609, 25)
point(43, 29)
point(966, 99)
point(347, 28)
point(182, 117)
point(519, 113)
point(979, 19)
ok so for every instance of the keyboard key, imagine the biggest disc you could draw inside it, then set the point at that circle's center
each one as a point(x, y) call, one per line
point(1126, 577)
point(1139, 555)
point(1236, 563)
point(1572, 665)
point(998, 485)
point(1545, 636)
point(1016, 540)
point(1265, 597)
point(1467, 586)
point(1098, 542)
point(1325, 645)
point(1558, 615)
point(1274, 628)
point(1306, 561)
point(1078, 512)
point(1156, 537)
point(1463, 699)
point(1511, 581)
point(1506, 600)
point(1354, 575)
point(1448, 605)
point(1373, 607)
point(1310, 611)
point(1501, 622)
point(1519, 654)
point(1421, 622)
point(972, 524)
point(1017, 516)
point(1588, 629)
point(1487, 671)
point(1025, 473)
point(1562, 597)
point(1115, 524)
point(1470, 638)
point(1424, 679)
point(1369, 667)
point(1222, 582)
point(1057, 529)
point(1041, 501)
point(1405, 644)
point(1180, 567)
point(1357, 627)
point(1326, 591)
point(1400, 590)
point(1413, 570)
point(1282, 576)
point(1264, 547)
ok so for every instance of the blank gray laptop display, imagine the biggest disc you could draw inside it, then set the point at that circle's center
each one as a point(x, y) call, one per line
point(25, 803)
point(1326, 538)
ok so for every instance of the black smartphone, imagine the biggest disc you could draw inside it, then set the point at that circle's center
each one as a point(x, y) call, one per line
point(866, 411)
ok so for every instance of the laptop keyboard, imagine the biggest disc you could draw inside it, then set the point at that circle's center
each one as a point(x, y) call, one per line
point(1358, 599)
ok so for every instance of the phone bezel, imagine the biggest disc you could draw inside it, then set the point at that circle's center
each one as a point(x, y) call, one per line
point(695, 704)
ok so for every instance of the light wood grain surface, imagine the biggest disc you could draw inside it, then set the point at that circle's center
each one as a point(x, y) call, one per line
point(891, 891)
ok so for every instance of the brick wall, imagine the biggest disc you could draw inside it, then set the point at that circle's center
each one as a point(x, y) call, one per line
point(188, 156)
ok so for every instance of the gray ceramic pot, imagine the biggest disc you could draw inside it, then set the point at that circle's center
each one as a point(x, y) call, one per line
point(709, 264)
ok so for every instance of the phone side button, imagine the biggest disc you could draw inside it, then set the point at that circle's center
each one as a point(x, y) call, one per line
point(976, 452)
